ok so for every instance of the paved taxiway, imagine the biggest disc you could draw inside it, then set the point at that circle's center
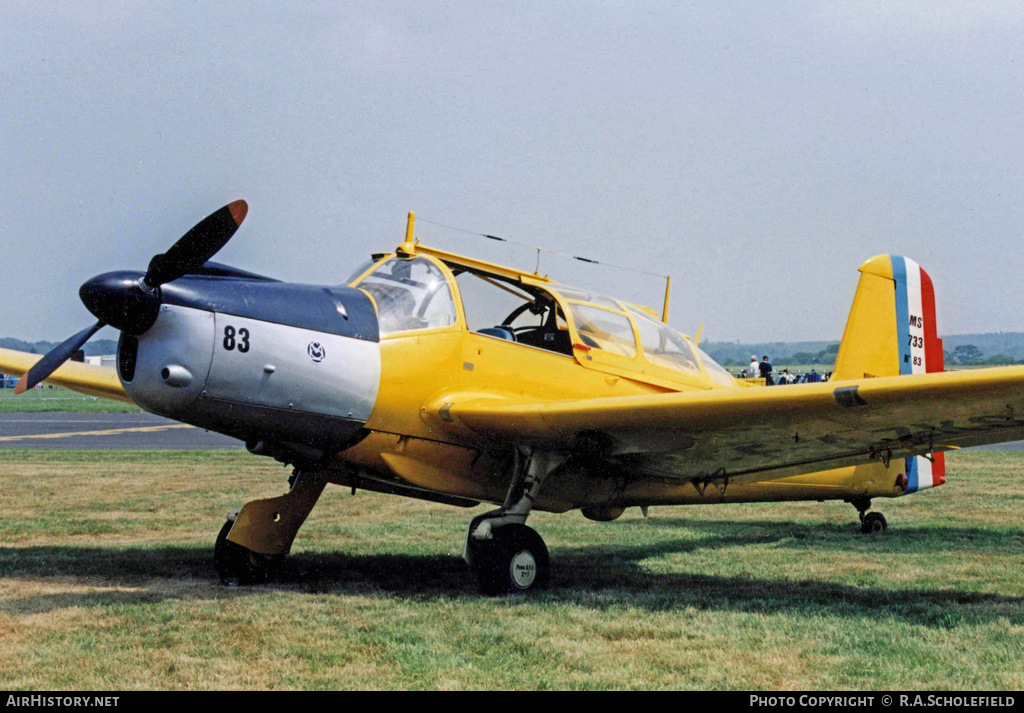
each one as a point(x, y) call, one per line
point(143, 431)
point(105, 430)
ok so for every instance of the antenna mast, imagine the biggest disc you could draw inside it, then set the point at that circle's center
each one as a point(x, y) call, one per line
point(668, 284)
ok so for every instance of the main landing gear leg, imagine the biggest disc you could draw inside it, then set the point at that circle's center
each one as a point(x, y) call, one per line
point(869, 521)
point(507, 556)
point(254, 541)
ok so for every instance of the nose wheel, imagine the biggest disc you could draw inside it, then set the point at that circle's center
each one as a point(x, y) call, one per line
point(262, 532)
point(237, 565)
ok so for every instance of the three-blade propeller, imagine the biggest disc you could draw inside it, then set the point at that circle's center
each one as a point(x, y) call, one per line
point(131, 307)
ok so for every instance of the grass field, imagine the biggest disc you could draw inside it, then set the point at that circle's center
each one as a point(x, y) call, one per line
point(106, 583)
point(49, 399)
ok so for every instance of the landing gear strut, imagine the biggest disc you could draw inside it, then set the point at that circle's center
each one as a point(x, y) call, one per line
point(507, 556)
point(870, 522)
point(252, 545)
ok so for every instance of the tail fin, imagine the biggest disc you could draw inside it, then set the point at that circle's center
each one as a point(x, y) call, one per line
point(891, 331)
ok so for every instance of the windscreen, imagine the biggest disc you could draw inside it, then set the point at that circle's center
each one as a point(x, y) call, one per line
point(410, 294)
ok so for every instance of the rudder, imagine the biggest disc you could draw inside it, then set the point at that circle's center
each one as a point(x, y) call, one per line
point(891, 331)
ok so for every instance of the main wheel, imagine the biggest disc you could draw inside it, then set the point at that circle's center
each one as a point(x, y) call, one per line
point(514, 561)
point(237, 565)
point(872, 522)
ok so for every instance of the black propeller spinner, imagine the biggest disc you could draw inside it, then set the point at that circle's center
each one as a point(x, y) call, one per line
point(130, 304)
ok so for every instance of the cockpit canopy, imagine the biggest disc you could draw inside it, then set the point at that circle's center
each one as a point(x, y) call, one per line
point(410, 294)
point(416, 293)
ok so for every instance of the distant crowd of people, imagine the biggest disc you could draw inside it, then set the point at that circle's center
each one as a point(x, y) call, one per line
point(763, 370)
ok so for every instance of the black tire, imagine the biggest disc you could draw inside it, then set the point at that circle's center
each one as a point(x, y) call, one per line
point(873, 522)
point(239, 566)
point(473, 545)
point(514, 561)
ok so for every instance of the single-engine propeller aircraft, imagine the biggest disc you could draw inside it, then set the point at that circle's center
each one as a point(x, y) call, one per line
point(437, 376)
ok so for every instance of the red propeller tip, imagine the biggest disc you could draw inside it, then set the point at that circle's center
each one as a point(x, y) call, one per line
point(238, 210)
point(19, 388)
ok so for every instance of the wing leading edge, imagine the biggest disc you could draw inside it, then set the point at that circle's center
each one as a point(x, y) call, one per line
point(85, 378)
point(755, 434)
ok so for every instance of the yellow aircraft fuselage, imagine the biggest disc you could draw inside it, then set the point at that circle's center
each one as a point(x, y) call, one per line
point(424, 364)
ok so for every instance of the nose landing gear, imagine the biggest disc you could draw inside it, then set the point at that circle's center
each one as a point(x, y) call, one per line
point(261, 533)
point(240, 566)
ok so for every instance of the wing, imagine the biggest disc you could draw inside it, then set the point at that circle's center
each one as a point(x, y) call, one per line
point(85, 378)
point(758, 433)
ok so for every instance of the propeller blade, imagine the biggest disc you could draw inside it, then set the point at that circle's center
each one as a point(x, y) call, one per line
point(197, 245)
point(54, 358)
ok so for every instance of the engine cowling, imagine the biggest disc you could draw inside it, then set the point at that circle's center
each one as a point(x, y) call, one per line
point(262, 361)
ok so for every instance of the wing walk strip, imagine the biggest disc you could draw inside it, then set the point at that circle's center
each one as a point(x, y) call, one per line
point(107, 432)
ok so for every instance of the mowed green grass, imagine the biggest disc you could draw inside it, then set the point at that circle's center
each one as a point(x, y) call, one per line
point(106, 583)
point(48, 399)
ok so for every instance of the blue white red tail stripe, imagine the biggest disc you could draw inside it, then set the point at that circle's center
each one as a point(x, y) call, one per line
point(923, 473)
point(920, 352)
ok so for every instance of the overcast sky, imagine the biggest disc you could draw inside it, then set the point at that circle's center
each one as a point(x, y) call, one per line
point(758, 152)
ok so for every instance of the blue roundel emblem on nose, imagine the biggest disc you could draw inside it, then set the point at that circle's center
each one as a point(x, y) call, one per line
point(316, 352)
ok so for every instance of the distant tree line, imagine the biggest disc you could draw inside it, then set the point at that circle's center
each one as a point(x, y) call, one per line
point(777, 353)
point(826, 356)
point(970, 355)
point(738, 355)
point(98, 347)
